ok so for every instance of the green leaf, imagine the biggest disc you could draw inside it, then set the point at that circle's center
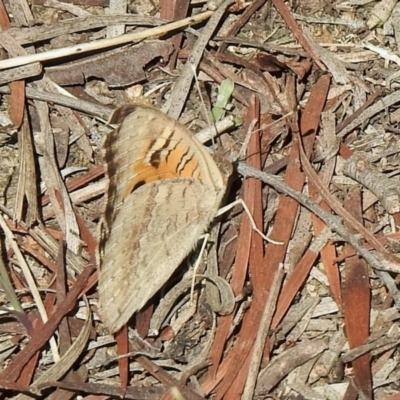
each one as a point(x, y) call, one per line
point(224, 96)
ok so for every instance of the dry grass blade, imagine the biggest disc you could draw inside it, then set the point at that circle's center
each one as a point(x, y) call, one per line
point(27, 189)
point(55, 184)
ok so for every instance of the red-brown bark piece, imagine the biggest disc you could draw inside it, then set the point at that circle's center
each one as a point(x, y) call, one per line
point(309, 123)
point(292, 285)
point(28, 371)
point(356, 303)
point(344, 151)
point(17, 88)
point(17, 103)
point(295, 29)
point(253, 195)
point(86, 235)
point(173, 10)
point(123, 363)
point(4, 20)
point(143, 320)
point(328, 253)
point(245, 241)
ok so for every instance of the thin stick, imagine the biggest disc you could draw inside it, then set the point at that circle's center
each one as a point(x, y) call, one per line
point(102, 44)
point(376, 260)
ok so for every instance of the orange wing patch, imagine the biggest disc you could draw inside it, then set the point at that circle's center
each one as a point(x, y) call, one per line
point(167, 162)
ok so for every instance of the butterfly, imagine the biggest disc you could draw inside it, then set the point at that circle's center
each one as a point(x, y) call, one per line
point(164, 190)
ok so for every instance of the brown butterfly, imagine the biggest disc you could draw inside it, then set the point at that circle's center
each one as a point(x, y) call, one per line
point(164, 190)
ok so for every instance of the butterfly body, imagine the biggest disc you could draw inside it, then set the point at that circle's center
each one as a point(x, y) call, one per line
point(164, 190)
